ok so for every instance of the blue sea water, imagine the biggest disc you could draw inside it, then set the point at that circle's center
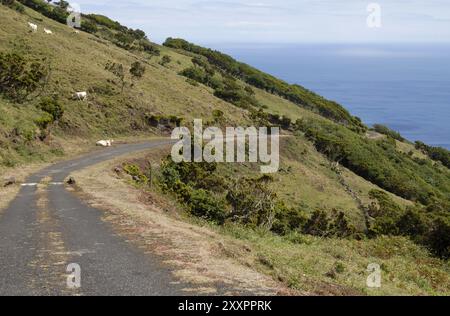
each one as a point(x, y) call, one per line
point(406, 87)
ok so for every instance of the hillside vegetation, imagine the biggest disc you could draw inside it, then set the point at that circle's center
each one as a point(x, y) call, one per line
point(335, 183)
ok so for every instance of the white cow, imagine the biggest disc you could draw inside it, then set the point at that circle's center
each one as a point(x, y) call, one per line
point(33, 26)
point(105, 143)
point(80, 95)
point(47, 31)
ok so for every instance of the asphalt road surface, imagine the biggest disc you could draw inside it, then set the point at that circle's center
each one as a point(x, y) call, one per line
point(41, 233)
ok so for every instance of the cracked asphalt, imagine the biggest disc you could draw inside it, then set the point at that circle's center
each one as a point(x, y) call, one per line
point(46, 228)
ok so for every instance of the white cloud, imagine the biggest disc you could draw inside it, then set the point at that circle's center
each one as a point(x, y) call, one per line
point(275, 21)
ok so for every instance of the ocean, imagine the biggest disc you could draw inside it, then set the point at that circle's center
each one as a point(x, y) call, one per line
point(406, 87)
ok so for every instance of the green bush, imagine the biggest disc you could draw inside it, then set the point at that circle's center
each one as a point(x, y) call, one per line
point(203, 204)
point(165, 60)
point(52, 107)
point(136, 173)
point(189, 182)
point(378, 162)
point(414, 224)
point(288, 220)
point(318, 224)
point(258, 79)
point(88, 26)
point(14, 5)
point(150, 48)
point(44, 121)
point(137, 70)
point(19, 76)
point(386, 214)
point(58, 13)
point(439, 238)
point(435, 153)
point(382, 129)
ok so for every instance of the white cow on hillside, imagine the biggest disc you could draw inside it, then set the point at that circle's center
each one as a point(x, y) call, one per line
point(105, 143)
point(80, 95)
point(33, 27)
point(47, 31)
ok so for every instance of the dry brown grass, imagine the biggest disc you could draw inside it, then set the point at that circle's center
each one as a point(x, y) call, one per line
point(199, 255)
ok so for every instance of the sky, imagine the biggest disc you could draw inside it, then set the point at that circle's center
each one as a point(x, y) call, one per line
point(280, 21)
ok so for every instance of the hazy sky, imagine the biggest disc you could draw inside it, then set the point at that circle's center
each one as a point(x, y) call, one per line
point(280, 21)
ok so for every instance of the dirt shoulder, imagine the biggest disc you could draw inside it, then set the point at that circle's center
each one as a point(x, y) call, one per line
point(198, 255)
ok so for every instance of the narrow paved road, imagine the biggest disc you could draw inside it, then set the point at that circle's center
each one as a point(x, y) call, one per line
point(45, 230)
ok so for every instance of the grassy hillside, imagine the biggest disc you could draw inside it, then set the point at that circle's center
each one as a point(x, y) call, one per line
point(329, 165)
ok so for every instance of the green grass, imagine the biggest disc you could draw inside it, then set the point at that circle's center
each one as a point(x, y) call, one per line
point(339, 266)
point(305, 179)
point(78, 62)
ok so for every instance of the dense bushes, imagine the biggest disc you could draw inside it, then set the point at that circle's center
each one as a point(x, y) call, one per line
point(19, 76)
point(226, 89)
point(170, 121)
point(379, 162)
point(382, 129)
point(58, 13)
point(189, 183)
point(320, 224)
point(120, 35)
point(429, 229)
point(233, 93)
point(13, 4)
point(256, 78)
point(435, 153)
point(439, 238)
point(247, 201)
point(52, 107)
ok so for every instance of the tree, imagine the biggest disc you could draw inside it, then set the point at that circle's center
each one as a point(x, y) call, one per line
point(118, 71)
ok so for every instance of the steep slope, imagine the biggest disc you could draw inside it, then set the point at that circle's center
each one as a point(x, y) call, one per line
point(321, 133)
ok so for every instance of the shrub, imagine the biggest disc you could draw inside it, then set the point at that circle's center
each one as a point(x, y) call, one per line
point(318, 224)
point(19, 77)
point(258, 79)
point(203, 204)
point(382, 129)
point(252, 202)
point(88, 26)
point(218, 116)
point(435, 153)
point(136, 173)
point(166, 59)
point(386, 214)
point(288, 220)
point(439, 238)
point(340, 227)
point(150, 48)
point(44, 121)
point(137, 70)
point(377, 161)
point(184, 181)
point(414, 224)
point(52, 107)
point(14, 5)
